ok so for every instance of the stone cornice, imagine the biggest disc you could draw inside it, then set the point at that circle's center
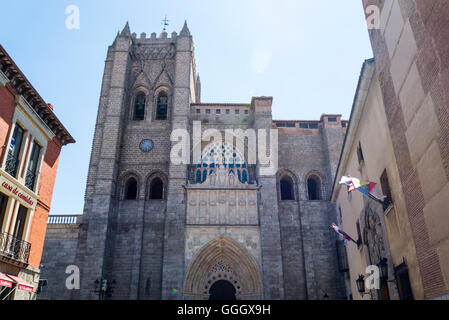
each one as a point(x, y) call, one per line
point(23, 87)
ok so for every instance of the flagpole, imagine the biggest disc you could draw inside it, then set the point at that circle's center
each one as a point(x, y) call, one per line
point(375, 199)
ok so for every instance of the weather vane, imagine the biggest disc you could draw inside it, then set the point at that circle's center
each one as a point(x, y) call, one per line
point(165, 22)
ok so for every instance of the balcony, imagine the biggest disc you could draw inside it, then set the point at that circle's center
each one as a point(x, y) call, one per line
point(11, 164)
point(14, 250)
point(30, 179)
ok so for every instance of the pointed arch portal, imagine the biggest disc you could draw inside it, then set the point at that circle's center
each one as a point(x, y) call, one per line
point(217, 266)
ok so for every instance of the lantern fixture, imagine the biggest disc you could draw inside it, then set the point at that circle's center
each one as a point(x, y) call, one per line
point(361, 285)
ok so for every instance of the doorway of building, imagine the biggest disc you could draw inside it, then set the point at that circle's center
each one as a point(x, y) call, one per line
point(222, 290)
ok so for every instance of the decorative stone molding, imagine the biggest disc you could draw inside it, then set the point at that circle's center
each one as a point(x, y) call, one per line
point(223, 259)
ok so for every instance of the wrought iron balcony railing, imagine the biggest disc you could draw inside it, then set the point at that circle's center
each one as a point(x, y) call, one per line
point(11, 164)
point(14, 248)
point(30, 178)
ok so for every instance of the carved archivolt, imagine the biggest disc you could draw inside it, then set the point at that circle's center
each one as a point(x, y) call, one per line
point(223, 259)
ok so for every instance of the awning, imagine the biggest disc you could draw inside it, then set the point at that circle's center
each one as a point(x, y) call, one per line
point(5, 281)
point(21, 284)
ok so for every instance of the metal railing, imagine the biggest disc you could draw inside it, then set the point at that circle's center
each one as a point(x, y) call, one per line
point(11, 164)
point(14, 248)
point(66, 219)
point(30, 178)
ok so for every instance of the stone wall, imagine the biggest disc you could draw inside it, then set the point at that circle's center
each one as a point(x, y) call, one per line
point(60, 246)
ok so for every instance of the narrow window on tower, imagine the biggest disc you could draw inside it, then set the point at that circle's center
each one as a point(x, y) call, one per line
point(286, 185)
point(156, 189)
point(162, 106)
point(313, 187)
point(139, 107)
point(131, 189)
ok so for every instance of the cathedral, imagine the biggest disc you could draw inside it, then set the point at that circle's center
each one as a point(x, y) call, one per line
point(217, 226)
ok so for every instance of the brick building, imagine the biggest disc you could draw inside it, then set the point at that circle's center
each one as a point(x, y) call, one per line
point(157, 229)
point(31, 138)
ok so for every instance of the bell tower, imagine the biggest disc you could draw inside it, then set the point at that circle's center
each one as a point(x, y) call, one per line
point(148, 85)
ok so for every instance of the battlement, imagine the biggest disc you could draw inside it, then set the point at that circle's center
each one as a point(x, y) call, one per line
point(163, 37)
point(310, 126)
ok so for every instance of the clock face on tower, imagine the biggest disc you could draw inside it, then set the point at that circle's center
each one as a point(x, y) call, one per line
point(146, 145)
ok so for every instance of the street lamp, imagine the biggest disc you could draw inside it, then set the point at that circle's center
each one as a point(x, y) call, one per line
point(361, 285)
point(104, 288)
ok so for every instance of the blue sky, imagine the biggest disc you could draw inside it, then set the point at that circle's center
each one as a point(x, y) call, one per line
point(307, 54)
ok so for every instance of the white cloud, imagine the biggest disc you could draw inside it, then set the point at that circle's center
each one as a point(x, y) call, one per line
point(260, 59)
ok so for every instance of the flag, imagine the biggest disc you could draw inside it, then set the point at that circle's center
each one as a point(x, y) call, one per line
point(344, 234)
point(368, 188)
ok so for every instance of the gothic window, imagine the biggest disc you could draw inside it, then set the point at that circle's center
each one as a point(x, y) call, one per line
point(156, 189)
point(139, 107)
point(131, 189)
point(162, 106)
point(286, 185)
point(313, 188)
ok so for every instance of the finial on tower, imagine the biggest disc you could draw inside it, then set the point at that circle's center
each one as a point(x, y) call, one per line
point(126, 31)
point(165, 22)
point(185, 30)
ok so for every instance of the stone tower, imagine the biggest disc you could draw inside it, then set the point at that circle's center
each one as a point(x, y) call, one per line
point(148, 66)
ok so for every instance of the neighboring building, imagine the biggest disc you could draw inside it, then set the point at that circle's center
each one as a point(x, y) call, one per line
point(31, 137)
point(383, 229)
point(177, 231)
point(412, 58)
point(399, 126)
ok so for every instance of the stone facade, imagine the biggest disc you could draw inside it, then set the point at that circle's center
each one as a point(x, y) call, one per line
point(268, 235)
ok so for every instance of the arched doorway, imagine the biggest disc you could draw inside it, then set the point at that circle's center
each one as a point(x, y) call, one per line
point(222, 259)
point(222, 290)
